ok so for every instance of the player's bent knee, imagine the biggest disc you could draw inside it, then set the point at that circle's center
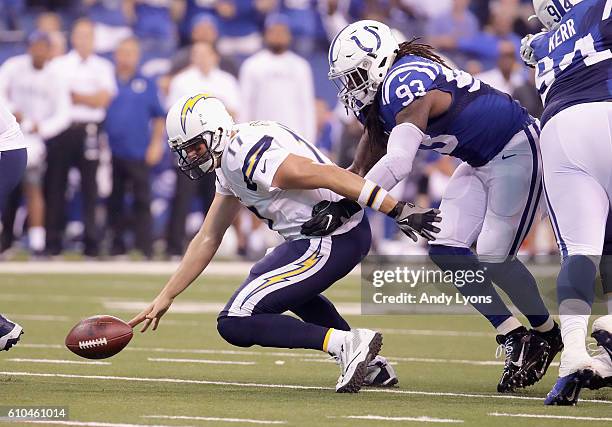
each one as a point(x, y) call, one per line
point(232, 330)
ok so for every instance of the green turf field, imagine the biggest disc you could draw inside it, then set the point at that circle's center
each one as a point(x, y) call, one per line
point(184, 374)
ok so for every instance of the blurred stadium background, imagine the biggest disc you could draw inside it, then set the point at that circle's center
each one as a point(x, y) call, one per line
point(90, 82)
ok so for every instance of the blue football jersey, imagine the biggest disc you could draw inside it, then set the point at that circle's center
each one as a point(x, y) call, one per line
point(574, 60)
point(478, 124)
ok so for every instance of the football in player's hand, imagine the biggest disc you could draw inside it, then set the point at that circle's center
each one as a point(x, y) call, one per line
point(99, 337)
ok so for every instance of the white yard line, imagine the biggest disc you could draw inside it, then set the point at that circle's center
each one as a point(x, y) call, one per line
point(155, 268)
point(205, 361)
point(422, 360)
point(210, 307)
point(226, 268)
point(218, 419)
point(281, 386)
point(551, 417)
point(302, 356)
point(30, 345)
point(422, 419)
point(192, 351)
point(435, 333)
point(87, 423)
point(58, 361)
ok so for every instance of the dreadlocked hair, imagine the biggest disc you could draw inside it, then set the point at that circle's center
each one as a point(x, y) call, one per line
point(419, 49)
point(376, 132)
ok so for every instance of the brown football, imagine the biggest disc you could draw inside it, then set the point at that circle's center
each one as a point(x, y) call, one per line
point(99, 337)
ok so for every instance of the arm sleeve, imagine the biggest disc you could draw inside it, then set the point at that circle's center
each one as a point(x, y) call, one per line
point(247, 84)
point(5, 78)
point(107, 78)
point(157, 110)
point(308, 107)
point(60, 120)
point(231, 96)
point(395, 166)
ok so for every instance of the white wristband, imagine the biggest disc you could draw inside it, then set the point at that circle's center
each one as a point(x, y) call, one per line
point(372, 195)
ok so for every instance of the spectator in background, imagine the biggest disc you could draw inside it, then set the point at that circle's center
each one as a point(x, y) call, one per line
point(12, 10)
point(154, 25)
point(459, 22)
point(51, 24)
point(484, 46)
point(202, 76)
point(414, 15)
point(203, 30)
point(239, 21)
point(324, 141)
point(39, 98)
point(134, 125)
point(111, 23)
point(306, 25)
point(509, 74)
point(276, 84)
point(92, 85)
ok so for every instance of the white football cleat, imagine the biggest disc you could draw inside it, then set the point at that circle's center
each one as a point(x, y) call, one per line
point(602, 355)
point(359, 348)
point(380, 373)
point(9, 333)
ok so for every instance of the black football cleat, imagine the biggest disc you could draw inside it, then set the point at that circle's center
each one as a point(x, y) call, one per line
point(554, 340)
point(524, 355)
point(567, 389)
point(380, 373)
point(9, 333)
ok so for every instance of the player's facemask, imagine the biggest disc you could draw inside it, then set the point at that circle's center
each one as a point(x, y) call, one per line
point(354, 88)
point(199, 155)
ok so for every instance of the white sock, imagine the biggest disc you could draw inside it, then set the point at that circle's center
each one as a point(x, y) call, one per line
point(334, 340)
point(508, 325)
point(546, 326)
point(36, 237)
point(574, 317)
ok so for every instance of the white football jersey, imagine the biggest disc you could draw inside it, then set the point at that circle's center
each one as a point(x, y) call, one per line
point(11, 137)
point(248, 165)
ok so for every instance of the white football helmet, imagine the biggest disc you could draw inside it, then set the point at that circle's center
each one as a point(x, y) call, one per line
point(199, 128)
point(550, 12)
point(359, 57)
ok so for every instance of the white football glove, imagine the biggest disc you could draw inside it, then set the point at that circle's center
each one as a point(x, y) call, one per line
point(527, 52)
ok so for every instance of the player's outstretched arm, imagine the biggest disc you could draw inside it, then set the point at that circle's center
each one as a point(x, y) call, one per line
point(404, 142)
point(301, 173)
point(197, 257)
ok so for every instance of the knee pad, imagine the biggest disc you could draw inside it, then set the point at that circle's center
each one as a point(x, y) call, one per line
point(233, 331)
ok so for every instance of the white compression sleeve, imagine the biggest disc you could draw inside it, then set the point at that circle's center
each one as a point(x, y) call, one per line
point(394, 166)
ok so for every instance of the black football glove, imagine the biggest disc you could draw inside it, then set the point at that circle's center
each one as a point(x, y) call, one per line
point(413, 220)
point(328, 216)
